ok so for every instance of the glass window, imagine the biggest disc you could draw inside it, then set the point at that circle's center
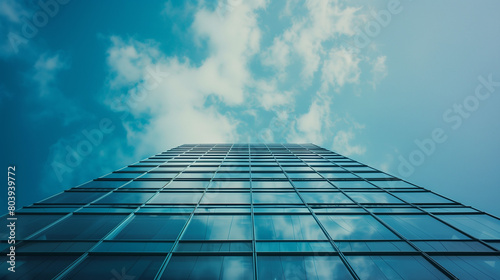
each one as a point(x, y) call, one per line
point(84, 226)
point(301, 267)
point(219, 227)
point(351, 227)
point(303, 175)
point(196, 175)
point(373, 175)
point(137, 169)
point(134, 247)
point(287, 227)
point(118, 267)
point(325, 197)
point(159, 175)
point(229, 184)
point(145, 184)
point(294, 246)
point(312, 184)
point(421, 227)
point(265, 168)
point(235, 168)
point(353, 184)
point(125, 198)
point(127, 175)
point(271, 184)
point(392, 184)
point(451, 246)
point(479, 226)
point(209, 267)
point(394, 267)
point(27, 224)
point(102, 184)
point(338, 175)
point(226, 198)
point(232, 175)
point(36, 267)
point(176, 198)
point(214, 247)
point(54, 247)
point(471, 267)
point(373, 197)
point(297, 168)
point(276, 197)
point(188, 184)
point(374, 246)
point(268, 175)
point(153, 227)
point(421, 197)
point(74, 198)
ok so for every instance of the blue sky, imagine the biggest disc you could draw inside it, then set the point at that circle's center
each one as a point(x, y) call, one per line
point(409, 87)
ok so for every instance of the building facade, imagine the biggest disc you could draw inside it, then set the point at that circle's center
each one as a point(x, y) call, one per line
point(251, 211)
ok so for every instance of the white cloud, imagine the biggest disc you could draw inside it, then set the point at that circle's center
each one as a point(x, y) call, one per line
point(339, 68)
point(46, 68)
point(342, 143)
point(173, 94)
point(379, 70)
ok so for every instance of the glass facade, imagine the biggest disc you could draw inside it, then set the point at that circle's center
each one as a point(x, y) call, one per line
point(252, 211)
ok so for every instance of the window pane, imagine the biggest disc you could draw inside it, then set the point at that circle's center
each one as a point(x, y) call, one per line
point(350, 227)
point(276, 197)
point(102, 184)
point(271, 184)
point(188, 184)
point(353, 184)
point(86, 227)
point(394, 267)
point(226, 198)
point(221, 227)
point(301, 267)
point(145, 184)
point(277, 246)
point(421, 197)
point(74, 198)
point(392, 184)
point(479, 226)
point(312, 184)
point(373, 197)
point(134, 247)
point(229, 184)
point(325, 197)
point(121, 267)
point(209, 267)
point(214, 247)
point(36, 267)
point(291, 227)
point(125, 198)
point(374, 246)
point(153, 227)
point(471, 267)
point(26, 225)
point(176, 198)
point(421, 227)
point(451, 246)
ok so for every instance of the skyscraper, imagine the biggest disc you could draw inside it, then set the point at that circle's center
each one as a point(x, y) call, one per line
point(251, 211)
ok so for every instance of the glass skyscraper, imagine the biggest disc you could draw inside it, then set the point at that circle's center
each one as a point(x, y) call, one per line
point(251, 211)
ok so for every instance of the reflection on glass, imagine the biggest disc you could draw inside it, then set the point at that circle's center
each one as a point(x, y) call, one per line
point(325, 197)
point(479, 226)
point(214, 247)
point(421, 197)
point(353, 184)
point(374, 246)
point(36, 267)
point(145, 184)
point(471, 267)
point(226, 198)
point(351, 227)
point(451, 246)
point(373, 197)
point(209, 267)
point(277, 246)
point(312, 184)
point(95, 267)
point(301, 267)
point(229, 184)
point(421, 227)
point(276, 197)
point(176, 198)
point(287, 227)
point(153, 227)
point(125, 198)
point(394, 267)
point(271, 184)
point(219, 227)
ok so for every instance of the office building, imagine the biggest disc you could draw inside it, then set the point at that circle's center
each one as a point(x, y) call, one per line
point(252, 211)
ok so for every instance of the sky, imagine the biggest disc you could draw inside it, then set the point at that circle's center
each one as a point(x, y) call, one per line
point(409, 87)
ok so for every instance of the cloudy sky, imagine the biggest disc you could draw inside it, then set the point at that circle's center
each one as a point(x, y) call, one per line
point(409, 87)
